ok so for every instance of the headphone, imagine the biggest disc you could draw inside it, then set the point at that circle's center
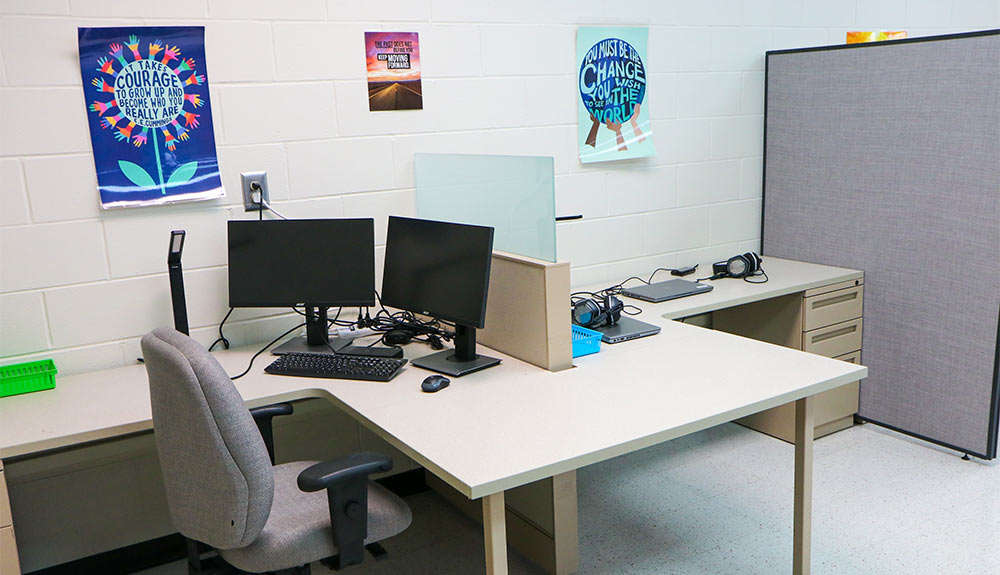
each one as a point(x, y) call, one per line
point(397, 336)
point(597, 311)
point(741, 266)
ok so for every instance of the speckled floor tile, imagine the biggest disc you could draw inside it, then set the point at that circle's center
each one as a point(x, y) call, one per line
point(720, 502)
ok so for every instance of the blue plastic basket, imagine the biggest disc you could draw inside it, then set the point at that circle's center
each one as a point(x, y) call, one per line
point(585, 341)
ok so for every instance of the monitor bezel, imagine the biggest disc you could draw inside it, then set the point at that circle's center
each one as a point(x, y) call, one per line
point(437, 314)
point(263, 303)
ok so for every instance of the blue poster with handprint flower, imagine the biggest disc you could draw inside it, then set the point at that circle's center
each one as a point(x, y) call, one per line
point(150, 115)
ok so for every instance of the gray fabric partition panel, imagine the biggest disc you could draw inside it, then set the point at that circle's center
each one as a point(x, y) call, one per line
point(885, 157)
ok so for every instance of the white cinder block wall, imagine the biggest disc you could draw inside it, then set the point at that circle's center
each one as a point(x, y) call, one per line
point(288, 89)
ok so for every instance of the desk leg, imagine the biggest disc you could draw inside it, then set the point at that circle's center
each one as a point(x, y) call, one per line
point(566, 536)
point(495, 533)
point(802, 524)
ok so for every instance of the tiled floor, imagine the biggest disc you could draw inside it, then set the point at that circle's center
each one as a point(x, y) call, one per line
point(720, 502)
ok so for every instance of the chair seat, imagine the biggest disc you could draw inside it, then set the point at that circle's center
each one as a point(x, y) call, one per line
point(298, 529)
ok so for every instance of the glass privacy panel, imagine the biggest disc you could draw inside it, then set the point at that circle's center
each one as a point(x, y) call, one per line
point(514, 194)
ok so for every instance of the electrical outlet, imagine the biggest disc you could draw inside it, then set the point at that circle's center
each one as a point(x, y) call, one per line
point(247, 178)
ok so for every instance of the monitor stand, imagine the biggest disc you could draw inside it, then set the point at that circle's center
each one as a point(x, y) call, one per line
point(317, 338)
point(459, 361)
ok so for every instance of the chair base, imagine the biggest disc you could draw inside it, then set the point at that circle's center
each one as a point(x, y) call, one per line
point(209, 562)
point(374, 549)
point(377, 551)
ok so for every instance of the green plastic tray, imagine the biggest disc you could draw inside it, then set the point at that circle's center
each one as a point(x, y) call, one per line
point(26, 377)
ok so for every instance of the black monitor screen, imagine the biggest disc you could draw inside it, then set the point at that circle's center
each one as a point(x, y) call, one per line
point(438, 269)
point(279, 263)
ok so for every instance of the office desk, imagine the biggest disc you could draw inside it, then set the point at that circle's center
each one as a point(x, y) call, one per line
point(786, 277)
point(803, 306)
point(500, 428)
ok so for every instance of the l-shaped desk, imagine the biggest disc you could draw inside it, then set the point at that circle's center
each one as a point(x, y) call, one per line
point(514, 424)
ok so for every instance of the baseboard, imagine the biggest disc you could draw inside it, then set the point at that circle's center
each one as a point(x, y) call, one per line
point(124, 560)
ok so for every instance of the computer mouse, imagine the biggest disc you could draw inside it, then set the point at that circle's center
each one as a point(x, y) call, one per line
point(434, 383)
point(397, 337)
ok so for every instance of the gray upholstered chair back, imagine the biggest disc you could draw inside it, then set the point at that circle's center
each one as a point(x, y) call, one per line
point(216, 470)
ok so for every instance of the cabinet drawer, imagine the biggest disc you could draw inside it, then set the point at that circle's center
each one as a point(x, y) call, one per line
point(853, 357)
point(834, 340)
point(834, 287)
point(4, 503)
point(8, 553)
point(839, 403)
point(832, 307)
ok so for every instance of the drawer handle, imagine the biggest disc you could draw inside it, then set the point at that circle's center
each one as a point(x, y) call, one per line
point(835, 300)
point(835, 333)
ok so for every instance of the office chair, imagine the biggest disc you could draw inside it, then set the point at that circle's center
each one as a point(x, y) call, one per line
point(223, 490)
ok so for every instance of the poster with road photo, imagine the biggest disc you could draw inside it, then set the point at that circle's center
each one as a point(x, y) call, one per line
point(393, 71)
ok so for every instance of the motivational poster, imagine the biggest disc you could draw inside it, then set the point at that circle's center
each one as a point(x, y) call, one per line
point(393, 71)
point(613, 115)
point(150, 115)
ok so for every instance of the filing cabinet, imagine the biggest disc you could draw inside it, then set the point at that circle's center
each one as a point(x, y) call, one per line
point(826, 321)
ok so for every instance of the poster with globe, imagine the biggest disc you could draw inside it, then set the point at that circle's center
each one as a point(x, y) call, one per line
point(611, 97)
point(150, 116)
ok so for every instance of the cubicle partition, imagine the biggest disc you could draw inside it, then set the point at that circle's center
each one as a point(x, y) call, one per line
point(885, 157)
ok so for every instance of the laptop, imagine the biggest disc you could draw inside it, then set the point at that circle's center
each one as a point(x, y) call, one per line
point(625, 329)
point(663, 291)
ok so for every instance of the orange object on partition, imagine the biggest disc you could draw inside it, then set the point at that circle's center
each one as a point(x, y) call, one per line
point(859, 37)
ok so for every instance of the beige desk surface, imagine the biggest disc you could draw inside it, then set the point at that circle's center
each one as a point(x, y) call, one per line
point(786, 277)
point(489, 431)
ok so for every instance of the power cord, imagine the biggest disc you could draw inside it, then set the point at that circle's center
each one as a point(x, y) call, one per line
point(617, 289)
point(618, 286)
point(622, 283)
point(760, 272)
point(273, 341)
point(264, 203)
point(331, 322)
point(430, 332)
point(671, 270)
point(222, 338)
point(257, 197)
point(263, 349)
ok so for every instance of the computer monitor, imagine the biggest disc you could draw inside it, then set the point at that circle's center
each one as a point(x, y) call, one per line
point(442, 270)
point(315, 263)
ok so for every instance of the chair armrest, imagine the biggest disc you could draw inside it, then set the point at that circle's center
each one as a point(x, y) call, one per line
point(346, 484)
point(271, 410)
point(326, 474)
point(262, 416)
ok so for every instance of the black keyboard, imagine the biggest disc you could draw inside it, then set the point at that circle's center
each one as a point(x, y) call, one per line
point(336, 366)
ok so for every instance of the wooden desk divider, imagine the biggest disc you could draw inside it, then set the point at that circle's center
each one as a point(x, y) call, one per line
point(527, 312)
point(528, 317)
